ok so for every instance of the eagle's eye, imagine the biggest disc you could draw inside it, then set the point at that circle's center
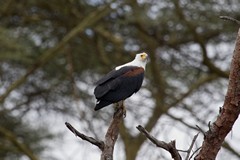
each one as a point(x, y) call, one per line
point(143, 56)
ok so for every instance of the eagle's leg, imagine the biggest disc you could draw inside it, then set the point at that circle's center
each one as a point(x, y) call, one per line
point(120, 105)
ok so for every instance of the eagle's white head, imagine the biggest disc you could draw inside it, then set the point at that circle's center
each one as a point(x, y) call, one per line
point(139, 61)
point(143, 57)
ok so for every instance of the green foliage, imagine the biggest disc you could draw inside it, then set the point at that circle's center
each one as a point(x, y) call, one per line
point(15, 130)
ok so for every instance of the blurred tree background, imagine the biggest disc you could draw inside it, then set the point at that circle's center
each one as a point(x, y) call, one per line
point(52, 52)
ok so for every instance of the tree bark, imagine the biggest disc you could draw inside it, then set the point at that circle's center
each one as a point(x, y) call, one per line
point(217, 132)
point(170, 147)
point(106, 146)
point(112, 134)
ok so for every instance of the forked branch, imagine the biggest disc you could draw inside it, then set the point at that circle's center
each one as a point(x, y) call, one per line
point(106, 146)
point(170, 147)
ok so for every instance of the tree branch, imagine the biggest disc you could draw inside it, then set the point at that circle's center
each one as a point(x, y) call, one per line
point(200, 82)
point(170, 147)
point(230, 19)
point(111, 136)
point(19, 145)
point(229, 114)
point(197, 38)
point(230, 148)
point(191, 147)
point(112, 133)
point(52, 52)
point(99, 144)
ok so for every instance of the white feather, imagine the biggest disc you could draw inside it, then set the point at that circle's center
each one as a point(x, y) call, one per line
point(139, 61)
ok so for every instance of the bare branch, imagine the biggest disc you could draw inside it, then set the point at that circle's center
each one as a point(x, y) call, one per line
point(222, 126)
point(227, 146)
point(170, 147)
point(230, 19)
point(111, 136)
point(181, 121)
point(194, 152)
point(99, 144)
point(112, 133)
point(201, 130)
point(191, 146)
point(197, 128)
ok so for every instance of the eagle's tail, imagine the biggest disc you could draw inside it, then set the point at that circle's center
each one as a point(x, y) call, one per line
point(100, 104)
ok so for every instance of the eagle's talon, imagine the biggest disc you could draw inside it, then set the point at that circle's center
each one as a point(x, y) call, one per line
point(120, 106)
point(123, 110)
point(124, 113)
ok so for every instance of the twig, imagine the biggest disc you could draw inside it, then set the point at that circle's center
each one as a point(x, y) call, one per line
point(170, 147)
point(99, 144)
point(194, 152)
point(201, 130)
point(209, 126)
point(191, 146)
point(179, 150)
point(230, 19)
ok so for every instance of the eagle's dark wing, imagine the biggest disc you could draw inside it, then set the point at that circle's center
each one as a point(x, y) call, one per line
point(118, 85)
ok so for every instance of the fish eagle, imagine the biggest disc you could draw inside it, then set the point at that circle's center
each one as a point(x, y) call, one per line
point(121, 83)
